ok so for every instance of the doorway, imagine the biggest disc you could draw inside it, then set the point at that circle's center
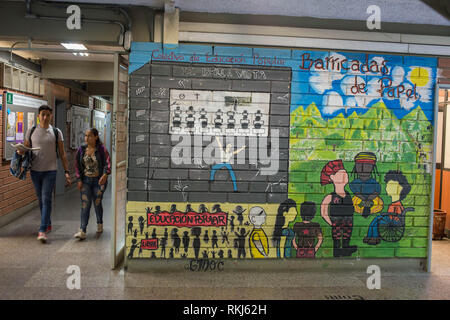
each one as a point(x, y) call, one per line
point(442, 187)
point(441, 247)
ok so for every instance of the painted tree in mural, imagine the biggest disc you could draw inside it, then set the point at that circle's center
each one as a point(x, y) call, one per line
point(335, 140)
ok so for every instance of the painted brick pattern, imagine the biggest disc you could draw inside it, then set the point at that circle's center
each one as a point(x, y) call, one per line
point(151, 145)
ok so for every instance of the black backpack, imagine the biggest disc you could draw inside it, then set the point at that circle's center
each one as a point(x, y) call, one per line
point(55, 131)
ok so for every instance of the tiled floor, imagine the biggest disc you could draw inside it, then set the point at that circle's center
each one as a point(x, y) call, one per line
point(31, 270)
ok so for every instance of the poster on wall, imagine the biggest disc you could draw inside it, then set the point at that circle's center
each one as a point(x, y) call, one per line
point(81, 121)
point(19, 128)
point(10, 126)
point(30, 119)
point(20, 114)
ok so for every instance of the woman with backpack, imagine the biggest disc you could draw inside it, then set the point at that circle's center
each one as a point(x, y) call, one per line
point(92, 166)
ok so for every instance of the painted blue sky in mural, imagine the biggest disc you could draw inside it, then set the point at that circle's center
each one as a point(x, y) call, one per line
point(336, 82)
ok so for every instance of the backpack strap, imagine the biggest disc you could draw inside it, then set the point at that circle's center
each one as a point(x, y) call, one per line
point(55, 131)
point(31, 133)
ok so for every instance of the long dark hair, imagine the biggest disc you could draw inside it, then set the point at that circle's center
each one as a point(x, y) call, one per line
point(397, 175)
point(280, 219)
point(98, 142)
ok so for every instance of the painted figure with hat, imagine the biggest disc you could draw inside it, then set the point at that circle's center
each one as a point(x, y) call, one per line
point(365, 188)
point(337, 208)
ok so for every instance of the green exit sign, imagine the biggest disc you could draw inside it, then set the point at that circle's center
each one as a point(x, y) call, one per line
point(9, 98)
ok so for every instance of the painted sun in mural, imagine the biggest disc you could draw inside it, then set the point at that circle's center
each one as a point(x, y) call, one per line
point(419, 76)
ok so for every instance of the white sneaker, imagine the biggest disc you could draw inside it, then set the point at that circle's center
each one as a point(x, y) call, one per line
point(80, 235)
point(99, 227)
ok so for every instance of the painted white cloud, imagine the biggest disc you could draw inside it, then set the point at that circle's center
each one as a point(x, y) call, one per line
point(322, 80)
point(407, 104)
point(333, 101)
point(398, 75)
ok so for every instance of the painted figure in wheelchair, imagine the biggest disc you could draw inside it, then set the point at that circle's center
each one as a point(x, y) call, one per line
point(365, 188)
point(390, 226)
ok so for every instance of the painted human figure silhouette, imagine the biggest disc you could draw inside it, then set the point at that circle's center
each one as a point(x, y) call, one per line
point(231, 220)
point(154, 233)
point(173, 208)
point(257, 123)
point(176, 121)
point(244, 120)
point(239, 212)
point(130, 224)
point(189, 209)
point(132, 248)
point(218, 121)
point(190, 119)
point(176, 240)
point(196, 231)
point(231, 120)
point(226, 155)
point(214, 240)
point(203, 119)
point(230, 255)
point(163, 243)
point(135, 233)
point(186, 241)
point(171, 253)
point(216, 209)
point(153, 255)
point(220, 254)
point(224, 236)
point(141, 224)
point(146, 236)
point(206, 237)
point(241, 242)
point(205, 254)
point(202, 209)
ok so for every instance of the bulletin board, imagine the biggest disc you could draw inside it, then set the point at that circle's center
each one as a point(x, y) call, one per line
point(81, 121)
point(20, 113)
point(99, 123)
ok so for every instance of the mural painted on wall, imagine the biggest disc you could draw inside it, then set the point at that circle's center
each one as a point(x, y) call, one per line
point(360, 138)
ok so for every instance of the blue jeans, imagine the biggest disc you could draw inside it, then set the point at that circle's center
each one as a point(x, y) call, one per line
point(219, 166)
point(44, 183)
point(91, 192)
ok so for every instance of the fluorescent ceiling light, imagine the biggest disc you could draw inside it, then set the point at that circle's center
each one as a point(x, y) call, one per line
point(73, 46)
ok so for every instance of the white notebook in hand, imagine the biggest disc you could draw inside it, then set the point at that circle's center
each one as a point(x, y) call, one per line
point(21, 147)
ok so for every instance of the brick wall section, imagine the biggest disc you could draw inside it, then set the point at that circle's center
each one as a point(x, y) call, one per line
point(152, 174)
point(444, 70)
